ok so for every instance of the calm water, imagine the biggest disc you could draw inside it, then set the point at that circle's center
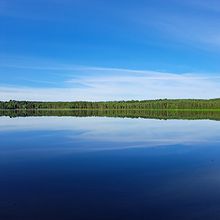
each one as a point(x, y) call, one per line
point(109, 168)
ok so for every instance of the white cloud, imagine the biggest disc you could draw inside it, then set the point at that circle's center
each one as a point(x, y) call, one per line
point(120, 84)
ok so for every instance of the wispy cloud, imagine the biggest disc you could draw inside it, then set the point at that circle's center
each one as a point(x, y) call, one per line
point(212, 5)
point(98, 83)
point(189, 22)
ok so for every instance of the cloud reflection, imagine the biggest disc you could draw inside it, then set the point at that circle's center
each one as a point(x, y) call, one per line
point(113, 133)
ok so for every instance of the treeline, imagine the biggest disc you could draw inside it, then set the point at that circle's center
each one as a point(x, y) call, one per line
point(119, 105)
point(148, 114)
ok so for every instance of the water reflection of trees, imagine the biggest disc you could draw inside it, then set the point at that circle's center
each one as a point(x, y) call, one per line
point(150, 114)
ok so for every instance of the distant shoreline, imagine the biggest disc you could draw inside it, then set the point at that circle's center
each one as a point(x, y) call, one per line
point(87, 109)
point(159, 104)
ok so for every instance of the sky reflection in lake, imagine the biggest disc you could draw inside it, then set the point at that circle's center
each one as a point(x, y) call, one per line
point(129, 133)
point(109, 168)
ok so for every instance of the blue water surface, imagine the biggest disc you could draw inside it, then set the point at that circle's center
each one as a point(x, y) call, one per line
point(109, 168)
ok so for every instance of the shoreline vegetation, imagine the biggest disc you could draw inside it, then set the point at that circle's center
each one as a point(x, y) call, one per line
point(188, 109)
point(159, 104)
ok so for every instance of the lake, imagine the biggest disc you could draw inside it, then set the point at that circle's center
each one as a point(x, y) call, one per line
point(108, 168)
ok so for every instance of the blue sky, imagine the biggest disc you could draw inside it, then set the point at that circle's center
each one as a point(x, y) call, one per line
point(109, 50)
